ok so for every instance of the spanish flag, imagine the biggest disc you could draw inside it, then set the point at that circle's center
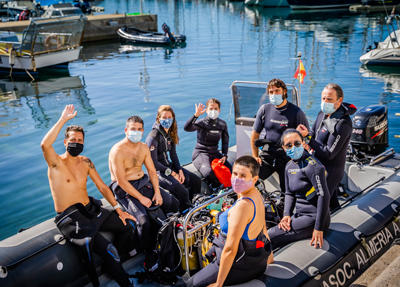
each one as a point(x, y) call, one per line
point(300, 73)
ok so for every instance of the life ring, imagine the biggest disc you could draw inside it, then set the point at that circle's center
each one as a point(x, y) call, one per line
point(48, 43)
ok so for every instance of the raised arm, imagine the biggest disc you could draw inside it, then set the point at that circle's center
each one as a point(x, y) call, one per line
point(117, 166)
point(105, 191)
point(151, 170)
point(48, 151)
point(190, 125)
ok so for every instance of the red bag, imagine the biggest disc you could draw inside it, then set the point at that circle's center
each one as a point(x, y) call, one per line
point(222, 173)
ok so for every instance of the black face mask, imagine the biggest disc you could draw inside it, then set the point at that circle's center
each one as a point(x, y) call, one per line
point(74, 149)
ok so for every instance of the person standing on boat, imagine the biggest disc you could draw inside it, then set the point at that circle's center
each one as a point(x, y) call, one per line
point(275, 118)
point(80, 217)
point(306, 189)
point(243, 249)
point(162, 139)
point(210, 131)
point(330, 136)
point(134, 189)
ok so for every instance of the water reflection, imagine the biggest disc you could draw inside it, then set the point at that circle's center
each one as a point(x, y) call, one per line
point(40, 100)
point(388, 75)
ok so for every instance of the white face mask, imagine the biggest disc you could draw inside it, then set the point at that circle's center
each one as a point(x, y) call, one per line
point(213, 114)
point(135, 136)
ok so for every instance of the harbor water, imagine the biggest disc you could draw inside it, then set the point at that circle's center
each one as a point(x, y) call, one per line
point(225, 42)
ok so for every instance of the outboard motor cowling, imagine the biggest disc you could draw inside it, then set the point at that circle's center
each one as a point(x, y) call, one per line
point(370, 130)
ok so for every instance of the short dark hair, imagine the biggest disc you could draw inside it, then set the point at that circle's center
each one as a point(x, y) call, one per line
point(74, 128)
point(279, 84)
point(337, 88)
point(134, 119)
point(288, 132)
point(213, 101)
point(249, 162)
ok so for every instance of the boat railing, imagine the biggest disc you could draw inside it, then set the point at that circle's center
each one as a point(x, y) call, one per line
point(381, 156)
point(392, 29)
point(187, 232)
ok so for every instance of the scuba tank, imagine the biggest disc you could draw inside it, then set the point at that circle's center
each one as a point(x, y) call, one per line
point(193, 255)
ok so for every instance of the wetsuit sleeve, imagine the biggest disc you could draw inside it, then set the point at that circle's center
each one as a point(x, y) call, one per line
point(317, 176)
point(190, 125)
point(225, 141)
point(152, 142)
point(174, 156)
point(289, 197)
point(259, 122)
point(335, 141)
point(302, 119)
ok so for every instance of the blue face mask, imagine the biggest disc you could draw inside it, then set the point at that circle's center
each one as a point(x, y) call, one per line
point(327, 108)
point(167, 123)
point(276, 100)
point(135, 136)
point(295, 152)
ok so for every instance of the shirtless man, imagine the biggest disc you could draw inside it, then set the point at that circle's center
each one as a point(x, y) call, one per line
point(80, 217)
point(134, 189)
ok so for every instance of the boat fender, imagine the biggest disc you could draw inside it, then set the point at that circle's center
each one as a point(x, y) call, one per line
point(113, 252)
point(47, 41)
point(313, 271)
point(3, 272)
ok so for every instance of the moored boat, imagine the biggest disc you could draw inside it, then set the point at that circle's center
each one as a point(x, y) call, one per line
point(386, 53)
point(44, 44)
point(324, 4)
point(137, 36)
point(360, 232)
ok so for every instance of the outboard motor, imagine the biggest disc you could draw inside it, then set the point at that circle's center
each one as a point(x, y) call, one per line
point(370, 130)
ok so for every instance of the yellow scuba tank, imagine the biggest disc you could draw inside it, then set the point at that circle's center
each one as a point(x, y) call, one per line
point(193, 257)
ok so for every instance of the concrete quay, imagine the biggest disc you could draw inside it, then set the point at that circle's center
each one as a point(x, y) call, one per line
point(377, 8)
point(99, 27)
point(384, 272)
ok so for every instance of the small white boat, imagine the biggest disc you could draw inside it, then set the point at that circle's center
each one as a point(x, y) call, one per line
point(45, 43)
point(386, 53)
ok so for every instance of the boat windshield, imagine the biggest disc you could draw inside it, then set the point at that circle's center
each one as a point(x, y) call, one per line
point(43, 36)
point(248, 97)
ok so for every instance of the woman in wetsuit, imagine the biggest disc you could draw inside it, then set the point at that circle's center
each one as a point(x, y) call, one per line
point(243, 248)
point(162, 139)
point(306, 189)
point(210, 131)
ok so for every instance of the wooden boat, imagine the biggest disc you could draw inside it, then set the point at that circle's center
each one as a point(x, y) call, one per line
point(360, 232)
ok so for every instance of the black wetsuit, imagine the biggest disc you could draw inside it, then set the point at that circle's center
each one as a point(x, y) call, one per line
point(81, 225)
point(250, 261)
point(330, 139)
point(209, 132)
point(133, 206)
point(307, 189)
point(275, 121)
point(159, 143)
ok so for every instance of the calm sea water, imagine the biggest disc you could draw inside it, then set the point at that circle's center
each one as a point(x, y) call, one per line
point(226, 42)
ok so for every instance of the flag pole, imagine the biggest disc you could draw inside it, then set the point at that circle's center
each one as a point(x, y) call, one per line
point(300, 78)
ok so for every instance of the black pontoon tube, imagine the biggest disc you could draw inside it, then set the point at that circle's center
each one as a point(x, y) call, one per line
point(186, 221)
point(352, 198)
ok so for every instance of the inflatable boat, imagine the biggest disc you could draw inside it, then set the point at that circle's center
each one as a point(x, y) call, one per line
point(360, 232)
point(136, 36)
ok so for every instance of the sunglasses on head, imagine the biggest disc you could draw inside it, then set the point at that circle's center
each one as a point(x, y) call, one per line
point(296, 144)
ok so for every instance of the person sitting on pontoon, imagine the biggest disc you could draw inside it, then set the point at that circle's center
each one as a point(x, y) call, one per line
point(162, 139)
point(210, 131)
point(243, 248)
point(306, 189)
point(81, 217)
